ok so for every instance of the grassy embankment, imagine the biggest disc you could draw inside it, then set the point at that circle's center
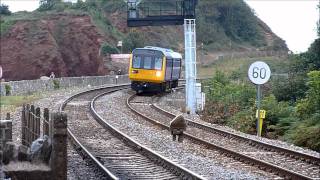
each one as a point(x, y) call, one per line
point(9, 104)
point(239, 67)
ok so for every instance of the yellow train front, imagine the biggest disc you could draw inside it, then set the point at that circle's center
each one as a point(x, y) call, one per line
point(154, 69)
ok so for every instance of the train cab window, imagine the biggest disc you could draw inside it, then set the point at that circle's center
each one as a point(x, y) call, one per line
point(136, 62)
point(158, 63)
point(147, 63)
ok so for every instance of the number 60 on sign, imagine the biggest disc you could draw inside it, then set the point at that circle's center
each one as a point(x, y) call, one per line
point(259, 72)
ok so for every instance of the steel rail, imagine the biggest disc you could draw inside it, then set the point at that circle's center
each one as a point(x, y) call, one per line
point(266, 146)
point(77, 143)
point(238, 156)
point(181, 171)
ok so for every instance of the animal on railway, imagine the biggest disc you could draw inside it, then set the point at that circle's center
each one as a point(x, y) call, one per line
point(154, 69)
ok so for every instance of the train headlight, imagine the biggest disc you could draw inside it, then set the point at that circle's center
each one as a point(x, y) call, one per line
point(158, 73)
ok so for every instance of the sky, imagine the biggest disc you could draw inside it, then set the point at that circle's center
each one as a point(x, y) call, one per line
point(295, 21)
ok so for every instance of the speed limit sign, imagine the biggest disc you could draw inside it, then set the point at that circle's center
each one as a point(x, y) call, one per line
point(259, 72)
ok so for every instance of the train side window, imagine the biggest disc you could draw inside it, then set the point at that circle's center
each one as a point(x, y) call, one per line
point(158, 63)
point(176, 63)
point(136, 62)
point(147, 63)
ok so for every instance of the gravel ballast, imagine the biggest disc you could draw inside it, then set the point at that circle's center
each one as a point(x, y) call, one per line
point(207, 163)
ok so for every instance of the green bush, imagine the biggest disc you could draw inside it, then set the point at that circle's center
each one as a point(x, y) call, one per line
point(80, 5)
point(221, 89)
point(133, 40)
point(61, 6)
point(306, 133)
point(7, 89)
point(56, 84)
point(108, 49)
point(46, 5)
point(4, 10)
point(311, 104)
point(5, 26)
point(243, 121)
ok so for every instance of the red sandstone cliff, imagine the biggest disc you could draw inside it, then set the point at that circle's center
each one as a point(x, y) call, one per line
point(65, 44)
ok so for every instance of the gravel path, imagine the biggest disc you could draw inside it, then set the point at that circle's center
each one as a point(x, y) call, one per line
point(208, 163)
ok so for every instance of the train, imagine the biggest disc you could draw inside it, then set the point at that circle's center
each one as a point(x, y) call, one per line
point(154, 69)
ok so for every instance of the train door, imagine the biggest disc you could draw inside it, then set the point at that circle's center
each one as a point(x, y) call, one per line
point(169, 65)
point(176, 69)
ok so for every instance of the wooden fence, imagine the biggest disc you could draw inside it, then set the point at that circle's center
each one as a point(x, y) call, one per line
point(5, 131)
point(30, 123)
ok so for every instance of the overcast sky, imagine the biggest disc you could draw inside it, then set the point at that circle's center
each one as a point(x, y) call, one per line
point(292, 20)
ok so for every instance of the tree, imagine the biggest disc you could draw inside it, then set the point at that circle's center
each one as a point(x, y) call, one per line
point(108, 49)
point(4, 9)
point(46, 5)
point(132, 41)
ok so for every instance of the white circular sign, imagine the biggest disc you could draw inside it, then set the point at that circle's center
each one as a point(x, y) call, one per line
point(0, 72)
point(259, 72)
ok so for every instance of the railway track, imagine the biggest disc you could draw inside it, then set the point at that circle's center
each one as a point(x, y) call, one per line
point(283, 162)
point(115, 154)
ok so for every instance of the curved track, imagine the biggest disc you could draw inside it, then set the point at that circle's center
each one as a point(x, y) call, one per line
point(281, 161)
point(117, 155)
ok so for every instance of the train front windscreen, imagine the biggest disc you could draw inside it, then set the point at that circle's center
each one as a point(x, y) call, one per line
point(147, 59)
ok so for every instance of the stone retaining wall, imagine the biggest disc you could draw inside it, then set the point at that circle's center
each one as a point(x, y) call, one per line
point(30, 86)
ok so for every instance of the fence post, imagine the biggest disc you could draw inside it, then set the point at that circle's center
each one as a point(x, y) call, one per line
point(45, 130)
point(5, 131)
point(26, 129)
point(8, 131)
point(58, 161)
point(23, 125)
point(37, 123)
point(31, 129)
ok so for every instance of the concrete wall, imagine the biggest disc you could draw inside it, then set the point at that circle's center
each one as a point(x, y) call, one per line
point(30, 86)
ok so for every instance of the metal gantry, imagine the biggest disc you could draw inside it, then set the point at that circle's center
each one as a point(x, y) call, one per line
point(190, 63)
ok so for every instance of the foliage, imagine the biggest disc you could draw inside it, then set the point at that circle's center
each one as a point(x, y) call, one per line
point(133, 40)
point(222, 90)
point(243, 121)
point(5, 26)
point(4, 9)
point(306, 133)
point(225, 21)
point(311, 104)
point(297, 120)
point(46, 5)
point(294, 87)
point(56, 84)
point(289, 88)
point(226, 98)
point(7, 88)
point(108, 49)
point(278, 115)
point(218, 112)
point(80, 5)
